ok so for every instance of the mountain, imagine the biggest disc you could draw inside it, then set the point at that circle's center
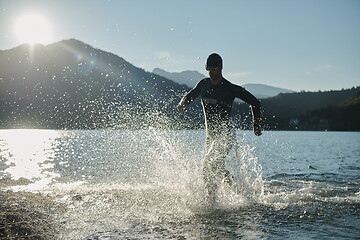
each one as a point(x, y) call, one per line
point(190, 78)
point(310, 110)
point(340, 117)
point(70, 84)
point(262, 91)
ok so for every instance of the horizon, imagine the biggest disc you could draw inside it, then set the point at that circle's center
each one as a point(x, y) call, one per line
point(299, 45)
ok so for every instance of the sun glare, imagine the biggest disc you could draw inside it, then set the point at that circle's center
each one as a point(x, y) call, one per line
point(33, 28)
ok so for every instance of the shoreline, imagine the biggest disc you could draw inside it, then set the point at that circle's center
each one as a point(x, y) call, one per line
point(26, 215)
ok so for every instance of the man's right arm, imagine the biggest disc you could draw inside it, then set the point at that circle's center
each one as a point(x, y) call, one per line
point(190, 96)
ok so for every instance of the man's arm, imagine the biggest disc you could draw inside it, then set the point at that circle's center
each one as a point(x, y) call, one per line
point(250, 99)
point(190, 96)
point(256, 121)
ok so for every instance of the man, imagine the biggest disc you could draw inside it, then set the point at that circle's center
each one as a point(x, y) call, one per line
point(217, 96)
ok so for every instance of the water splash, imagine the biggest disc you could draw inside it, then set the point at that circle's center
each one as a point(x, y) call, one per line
point(250, 174)
point(169, 186)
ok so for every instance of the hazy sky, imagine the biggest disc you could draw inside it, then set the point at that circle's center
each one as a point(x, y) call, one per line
point(295, 44)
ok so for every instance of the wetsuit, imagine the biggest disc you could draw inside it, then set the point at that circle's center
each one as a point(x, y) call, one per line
point(217, 102)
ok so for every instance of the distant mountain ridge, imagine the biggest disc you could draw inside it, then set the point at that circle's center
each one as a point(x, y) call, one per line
point(190, 78)
point(265, 91)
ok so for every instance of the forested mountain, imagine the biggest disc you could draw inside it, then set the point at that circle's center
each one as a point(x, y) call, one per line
point(311, 110)
point(341, 117)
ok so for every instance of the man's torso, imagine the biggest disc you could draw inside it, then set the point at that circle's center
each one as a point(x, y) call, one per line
point(217, 102)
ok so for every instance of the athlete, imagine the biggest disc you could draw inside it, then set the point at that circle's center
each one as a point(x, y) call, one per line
point(217, 96)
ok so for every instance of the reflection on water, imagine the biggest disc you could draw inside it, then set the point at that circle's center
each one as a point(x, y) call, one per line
point(28, 154)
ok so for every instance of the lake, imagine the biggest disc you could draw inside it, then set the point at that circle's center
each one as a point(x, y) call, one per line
point(147, 184)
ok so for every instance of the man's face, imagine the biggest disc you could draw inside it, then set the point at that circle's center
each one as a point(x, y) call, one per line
point(214, 72)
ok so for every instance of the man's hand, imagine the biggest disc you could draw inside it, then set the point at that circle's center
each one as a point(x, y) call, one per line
point(181, 107)
point(256, 127)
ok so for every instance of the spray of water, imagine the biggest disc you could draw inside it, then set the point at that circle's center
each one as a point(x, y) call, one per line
point(250, 175)
point(169, 187)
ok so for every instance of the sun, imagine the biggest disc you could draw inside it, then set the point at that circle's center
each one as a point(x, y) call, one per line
point(33, 28)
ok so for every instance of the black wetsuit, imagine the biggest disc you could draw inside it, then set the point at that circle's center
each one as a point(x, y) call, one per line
point(217, 103)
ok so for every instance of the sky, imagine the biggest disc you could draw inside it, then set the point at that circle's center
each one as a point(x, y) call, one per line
point(302, 45)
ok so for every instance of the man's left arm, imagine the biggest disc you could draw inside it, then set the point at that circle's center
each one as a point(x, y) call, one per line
point(250, 99)
point(256, 119)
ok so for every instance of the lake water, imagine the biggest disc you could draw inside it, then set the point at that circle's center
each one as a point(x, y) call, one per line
point(116, 184)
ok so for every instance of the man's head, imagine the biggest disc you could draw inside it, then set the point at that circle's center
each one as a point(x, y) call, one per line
point(214, 66)
point(213, 61)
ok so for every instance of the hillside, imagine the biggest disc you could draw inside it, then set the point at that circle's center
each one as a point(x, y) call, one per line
point(294, 110)
point(341, 117)
point(70, 84)
point(190, 78)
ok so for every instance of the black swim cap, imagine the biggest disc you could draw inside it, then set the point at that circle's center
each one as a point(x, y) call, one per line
point(214, 60)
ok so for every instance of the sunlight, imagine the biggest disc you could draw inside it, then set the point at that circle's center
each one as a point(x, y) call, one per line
point(33, 28)
point(29, 154)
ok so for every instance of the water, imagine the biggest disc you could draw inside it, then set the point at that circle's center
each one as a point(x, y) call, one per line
point(109, 184)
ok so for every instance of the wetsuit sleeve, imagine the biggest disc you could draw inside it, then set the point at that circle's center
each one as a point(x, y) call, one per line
point(250, 99)
point(192, 94)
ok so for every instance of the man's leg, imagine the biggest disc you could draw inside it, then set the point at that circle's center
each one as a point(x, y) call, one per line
point(214, 163)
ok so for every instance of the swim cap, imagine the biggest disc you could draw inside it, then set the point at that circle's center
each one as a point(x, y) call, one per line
point(214, 60)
